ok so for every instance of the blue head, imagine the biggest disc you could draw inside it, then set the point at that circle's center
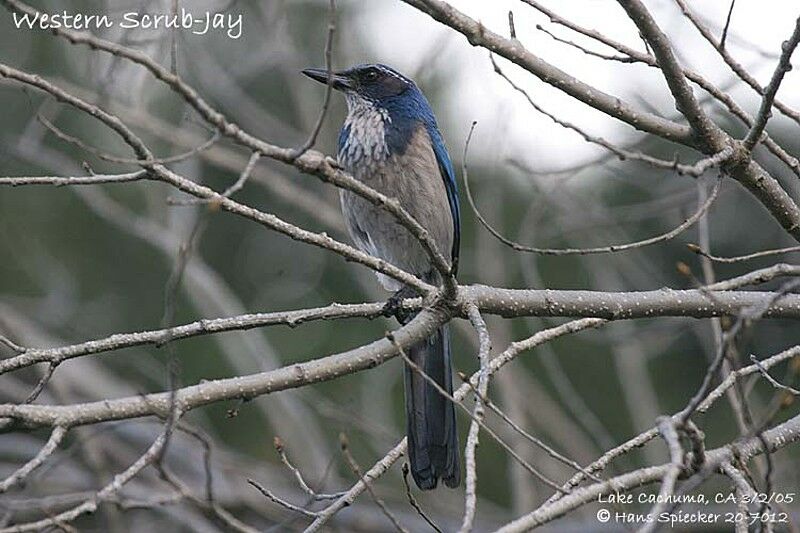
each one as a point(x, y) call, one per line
point(377, 83)
point(376, 90)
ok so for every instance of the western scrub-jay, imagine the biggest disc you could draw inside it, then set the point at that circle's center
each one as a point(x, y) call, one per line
point(391, 142)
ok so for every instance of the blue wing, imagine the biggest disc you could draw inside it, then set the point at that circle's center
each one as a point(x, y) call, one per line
point(449, 177)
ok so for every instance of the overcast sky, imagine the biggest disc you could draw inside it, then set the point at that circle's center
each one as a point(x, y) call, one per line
point(413, 42)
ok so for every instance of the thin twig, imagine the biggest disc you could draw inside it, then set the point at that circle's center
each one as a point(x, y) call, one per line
point(315, 496)
point(734, 65)
point(13, 346)
point(727, 25)
point(606, 57)
point(643, 438)
point(37, 390)
point(667, 429)
point(719, 94)
point(746, 449)
point(357, 470)
point(237, 185)
point(755, 277)
point(745, 318)
point(686, 224)
point(531, 438)
point(695, 170)
point(414, 503)
point(59, 181)
point(755, 255)
point(173, 284)
point(19, 475)
point(206, 326)
point(765, 109)
point(419, 370)
point(283, 503)
point(470, 460)
point(745, 493)
point(107, 492)
point(772, 380)
point(737, 375)
point(313, 163)
point(312, 139)
point(508, 355)
point(210, 507)
point(512, 31)
point(58, 132)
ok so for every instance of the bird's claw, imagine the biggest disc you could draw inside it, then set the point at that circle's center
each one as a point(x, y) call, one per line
point(394, 306)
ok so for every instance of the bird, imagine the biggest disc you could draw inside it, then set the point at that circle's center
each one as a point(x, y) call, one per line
point(390, 141)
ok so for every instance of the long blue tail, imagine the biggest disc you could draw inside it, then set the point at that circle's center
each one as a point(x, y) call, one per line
point(430, 417)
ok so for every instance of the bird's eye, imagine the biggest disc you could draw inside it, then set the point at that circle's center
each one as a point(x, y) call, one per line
point(371, 75)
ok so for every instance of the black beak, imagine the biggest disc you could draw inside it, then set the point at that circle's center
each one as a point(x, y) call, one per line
point(338, 80)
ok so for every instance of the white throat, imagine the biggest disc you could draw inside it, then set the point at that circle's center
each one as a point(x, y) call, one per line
point(367, 123)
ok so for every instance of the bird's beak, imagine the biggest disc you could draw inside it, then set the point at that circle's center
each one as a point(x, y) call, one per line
point(338, 80)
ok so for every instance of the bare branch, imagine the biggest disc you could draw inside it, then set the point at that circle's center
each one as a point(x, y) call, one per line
point(667, 429)
point(312, 139)
point(727, 25)
point(478, 35)
point(764, 253)
point(19, 476)
point(708, 132)
point(268, 220)
point(645, 437)
point(744, 493)
point(772, 380)
point(205, 145)
point(242, 387)
point(357, 470)
point(13, 346)
point(695, 170)
point(310, 162)
point(587, 51)
point(737, 375)
point(532, 439)
point(37, 390)
point(735, 66)
point(479, 423)
point(470, 497)
point(775, 438)
point(765, 110)
point(206, 326)
point(413, 501)
point(647, 59)
point(104, 494)
point(384, 464)
point(756, 277)
point(237, 185)
point(315, 496)
point(511, 353)
point(746, 317)
point(94, 179)
point(283, 503)
point(686, 224)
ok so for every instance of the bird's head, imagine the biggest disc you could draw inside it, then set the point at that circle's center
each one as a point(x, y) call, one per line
point(375, 83)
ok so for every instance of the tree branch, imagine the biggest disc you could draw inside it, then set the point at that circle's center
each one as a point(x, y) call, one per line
point(512, 49)
point(775, 438)
point(765, 109)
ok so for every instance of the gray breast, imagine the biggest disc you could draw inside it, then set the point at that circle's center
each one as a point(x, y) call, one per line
point(412, 177)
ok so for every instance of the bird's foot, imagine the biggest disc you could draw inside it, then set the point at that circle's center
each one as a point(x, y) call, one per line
point(394, 305)
point(334, 163)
